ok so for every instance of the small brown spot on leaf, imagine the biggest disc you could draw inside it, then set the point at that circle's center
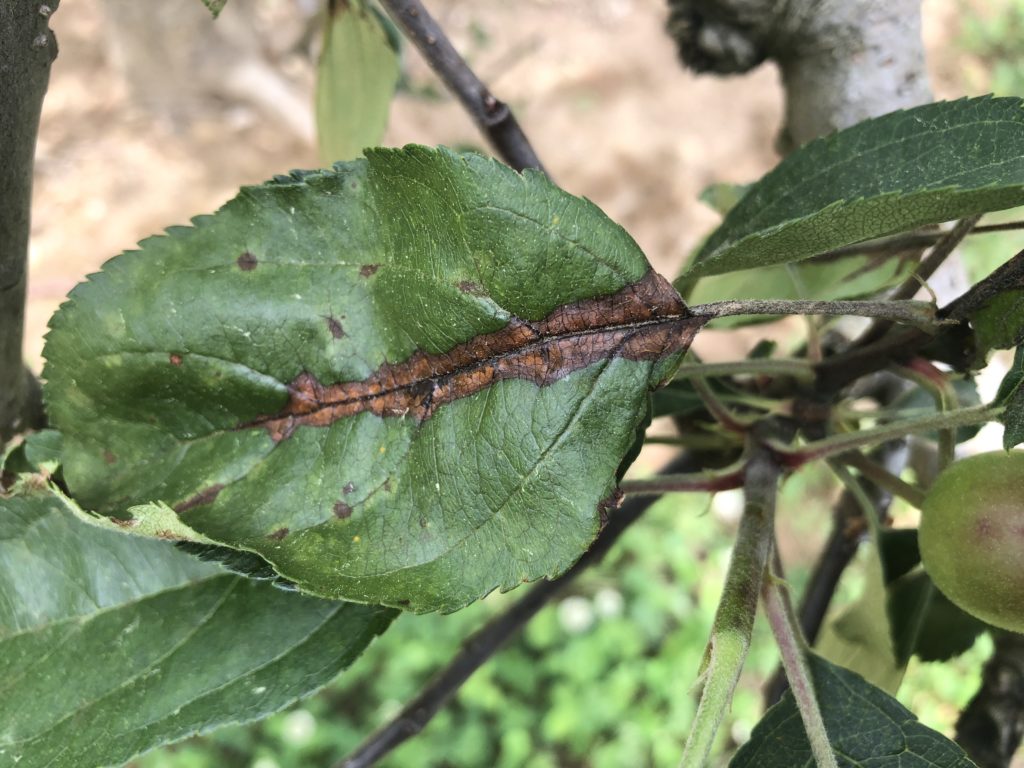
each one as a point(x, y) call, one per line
point(423, 522)
point(109, 457)
point(606, 506)
point(342, 511)
point(247, 261)
point(279, 534)
point(205, 496)
point(167, 535)
point(349, 487)
point(368, 269)
point(387, 485)
point(468, 286)
point(335, 327)
point(175, 359)
point(123, 522)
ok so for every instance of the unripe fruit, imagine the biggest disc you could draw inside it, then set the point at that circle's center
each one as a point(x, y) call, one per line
point(972, 536)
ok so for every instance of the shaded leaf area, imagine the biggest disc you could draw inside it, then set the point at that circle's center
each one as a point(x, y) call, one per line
point(866, 727)
point(112, 644)
point(356, 78)
point(1000, 323)
point(407, 381)
point(903, 170)
point(925, 623)
point(1011, 396)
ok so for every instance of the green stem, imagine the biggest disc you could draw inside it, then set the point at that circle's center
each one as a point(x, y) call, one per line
point(722, 480)
point(884, 479)
point(918, 313)
point(792, 649)
point(830, 446)
point(932, 380)
point(719, 410)
point(798, 369)
point(734, 621)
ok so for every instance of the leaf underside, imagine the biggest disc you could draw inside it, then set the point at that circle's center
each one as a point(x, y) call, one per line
point(903, 170)
point(1011, 396)
point(111, 645)
point(866, 727)
point(406, 381)
point(356, 78)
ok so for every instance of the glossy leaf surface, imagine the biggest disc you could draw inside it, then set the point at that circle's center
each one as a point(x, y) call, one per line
point(356, 78)
point(112, 644)
point(406, 381)
point(910, 168)
point(866, 726)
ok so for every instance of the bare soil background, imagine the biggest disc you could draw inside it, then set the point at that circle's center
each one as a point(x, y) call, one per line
point(154, 119)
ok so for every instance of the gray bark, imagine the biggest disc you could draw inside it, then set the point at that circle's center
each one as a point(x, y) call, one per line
point(841, 61)
point(27, 49)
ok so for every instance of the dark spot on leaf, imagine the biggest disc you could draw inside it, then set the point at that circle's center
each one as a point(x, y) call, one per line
point(279, 534)
point(349, 487)
point(387, 485)
point(175, 359)
point(167, 535)
point(402, 602)
point(205, 496)
point(123, 522)
point(368, 269)
point(342, 511)
point(109, 457)
point(247, 262)
point(423, 522)
point(468, 286)
point(335, 327)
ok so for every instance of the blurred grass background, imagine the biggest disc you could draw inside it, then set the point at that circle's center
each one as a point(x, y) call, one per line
point(603, 677)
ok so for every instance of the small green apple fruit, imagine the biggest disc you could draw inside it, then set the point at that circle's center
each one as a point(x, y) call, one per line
point(972, 536)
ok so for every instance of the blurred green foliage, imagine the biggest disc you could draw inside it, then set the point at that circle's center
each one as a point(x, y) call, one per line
point(994, 33)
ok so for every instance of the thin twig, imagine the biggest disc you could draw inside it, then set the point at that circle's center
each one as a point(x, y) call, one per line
point(848, 529)
point(721, 480)
point(919, 313)
point(492, 636)
point(884, 479)
point(793, 650)
point(942, 250)
point(493, 117)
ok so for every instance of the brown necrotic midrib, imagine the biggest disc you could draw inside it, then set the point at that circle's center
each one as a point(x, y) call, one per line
point(646, 320)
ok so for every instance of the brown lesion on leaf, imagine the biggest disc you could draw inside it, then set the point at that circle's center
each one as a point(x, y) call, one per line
point(334, 326)
point(367, 270)
point(348, 488)
point(247, 261)
point(468, 286)
point(342, 511)
point(608, 505)
point(279, 534)
point(646, 320)
point(175, 359)
point(109, 457)
point(205, 496)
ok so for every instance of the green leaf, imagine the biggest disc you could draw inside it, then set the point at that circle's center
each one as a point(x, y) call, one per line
point(859, 637)
point(1011, 397)
point(903, 170)
point(1000, 323)
point(511, 331)
point(215, 6)
point(926, 623)
point(112, 644)
point(722, 196)
point(866, 727)
point(356, 79)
